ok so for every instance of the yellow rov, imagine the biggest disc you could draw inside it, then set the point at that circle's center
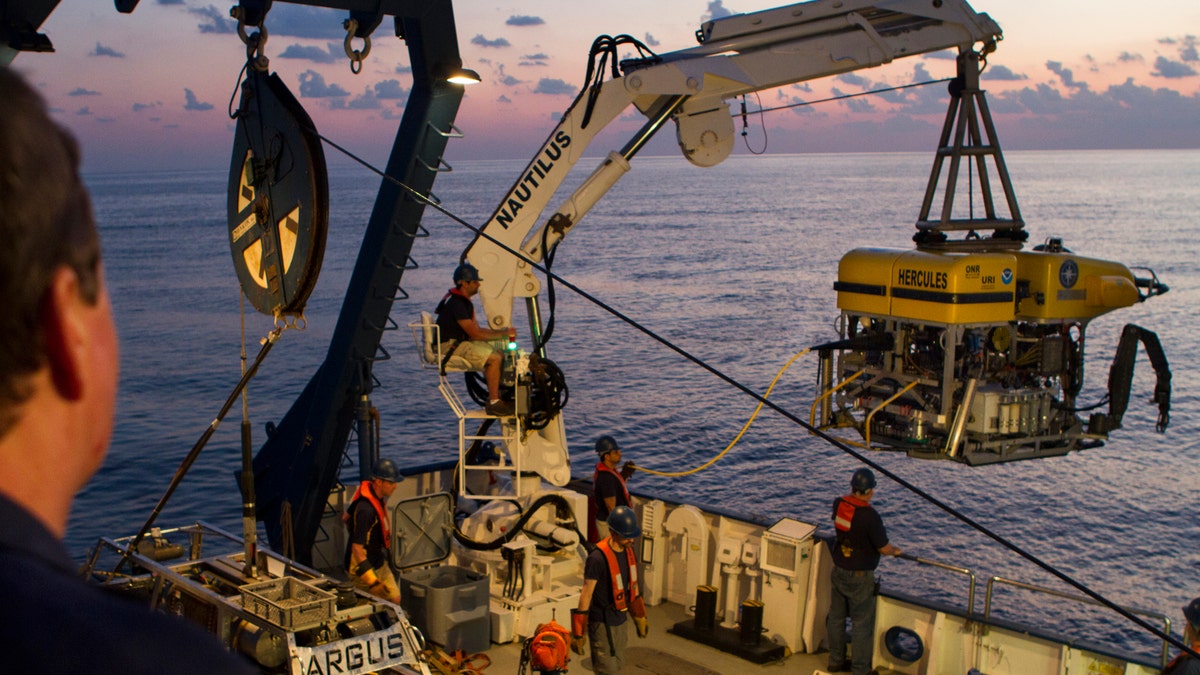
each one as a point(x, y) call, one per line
point(972, 349)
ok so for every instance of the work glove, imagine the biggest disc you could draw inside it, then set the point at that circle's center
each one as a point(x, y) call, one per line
point(627, 470)
point(642, 625)
point(578, 631)
point(578, 644)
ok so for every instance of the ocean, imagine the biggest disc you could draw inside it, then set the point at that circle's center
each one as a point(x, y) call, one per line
point(734, 264)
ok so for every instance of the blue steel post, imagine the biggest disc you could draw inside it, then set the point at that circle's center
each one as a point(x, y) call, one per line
point(297, 467)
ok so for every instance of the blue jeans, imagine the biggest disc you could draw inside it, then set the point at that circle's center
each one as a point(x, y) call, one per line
point(852, 595)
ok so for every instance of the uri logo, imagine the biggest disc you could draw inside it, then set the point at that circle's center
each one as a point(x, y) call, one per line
point(1068, 273)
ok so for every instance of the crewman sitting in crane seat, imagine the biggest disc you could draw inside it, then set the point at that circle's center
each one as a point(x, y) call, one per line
point(463, 337)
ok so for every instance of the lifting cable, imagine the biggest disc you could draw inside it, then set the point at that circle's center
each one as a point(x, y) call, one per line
point(835, 442)
point(846, 96)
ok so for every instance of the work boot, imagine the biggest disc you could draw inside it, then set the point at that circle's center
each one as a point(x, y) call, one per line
point(499, 409)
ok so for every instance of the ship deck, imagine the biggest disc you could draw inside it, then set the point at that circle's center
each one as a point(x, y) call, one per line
point(664, 653)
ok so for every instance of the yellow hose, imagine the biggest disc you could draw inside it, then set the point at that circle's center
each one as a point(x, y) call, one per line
point(714, 460)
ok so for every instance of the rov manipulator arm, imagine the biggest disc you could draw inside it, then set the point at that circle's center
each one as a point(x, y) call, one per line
point(1120, 376)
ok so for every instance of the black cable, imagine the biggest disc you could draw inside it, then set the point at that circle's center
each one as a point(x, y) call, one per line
point(846, 96)
point(548, 392)
point(548, 258)
point(476, 387)
point(1078, 409)
point(237, 86)
point(605, 47)
point(746, 125)
point(557, 500)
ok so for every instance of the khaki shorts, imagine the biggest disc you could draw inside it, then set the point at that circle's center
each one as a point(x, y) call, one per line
point(471, 355)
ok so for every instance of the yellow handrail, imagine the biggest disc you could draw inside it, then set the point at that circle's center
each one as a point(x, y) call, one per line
point(812, 413)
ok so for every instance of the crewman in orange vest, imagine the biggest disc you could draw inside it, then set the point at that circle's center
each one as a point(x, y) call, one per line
point(608, 486)
point(368, 551)
point(611, 594)
point(861, 539)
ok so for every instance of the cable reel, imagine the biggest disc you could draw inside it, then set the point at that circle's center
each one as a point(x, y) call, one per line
point(278, 203)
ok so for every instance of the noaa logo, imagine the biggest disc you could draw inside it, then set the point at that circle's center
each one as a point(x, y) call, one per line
point(1068, 273)
point(1006, 276)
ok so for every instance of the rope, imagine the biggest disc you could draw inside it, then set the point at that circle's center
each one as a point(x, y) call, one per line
point(746, 427)
point(835, 442)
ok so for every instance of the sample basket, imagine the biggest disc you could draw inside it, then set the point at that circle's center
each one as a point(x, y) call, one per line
point(288, 603)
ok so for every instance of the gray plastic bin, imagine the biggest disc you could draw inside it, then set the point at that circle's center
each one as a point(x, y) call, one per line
point(450, 606)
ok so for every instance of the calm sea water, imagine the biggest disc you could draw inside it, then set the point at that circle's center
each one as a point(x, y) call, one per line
point(735, 264)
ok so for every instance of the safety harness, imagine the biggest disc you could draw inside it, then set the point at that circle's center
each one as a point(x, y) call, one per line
point(451, 342)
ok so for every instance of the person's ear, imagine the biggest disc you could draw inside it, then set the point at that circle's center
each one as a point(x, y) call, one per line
point(65, 333)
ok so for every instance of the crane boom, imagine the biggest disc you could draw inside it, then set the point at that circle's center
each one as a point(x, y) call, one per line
point(737, 55)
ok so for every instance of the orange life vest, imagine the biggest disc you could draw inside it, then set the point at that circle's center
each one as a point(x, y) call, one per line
point(618, 582)
point(845, 512)
point(601, 466)
point(593, 504)
point(364, 492)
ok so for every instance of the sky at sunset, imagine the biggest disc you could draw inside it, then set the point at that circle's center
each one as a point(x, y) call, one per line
point(151, 90)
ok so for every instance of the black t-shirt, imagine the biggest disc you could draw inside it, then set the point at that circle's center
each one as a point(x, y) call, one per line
point(450, 311)
point(608, 485)
point(367, 531)
point(858, 549)
point(602, 608)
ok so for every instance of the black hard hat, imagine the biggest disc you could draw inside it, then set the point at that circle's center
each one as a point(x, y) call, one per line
point(862, 480)
point(385, 469)
point(605, 445)
point(486, 453)
point(466, 272)
point(1191, 612)
point(624, 522)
